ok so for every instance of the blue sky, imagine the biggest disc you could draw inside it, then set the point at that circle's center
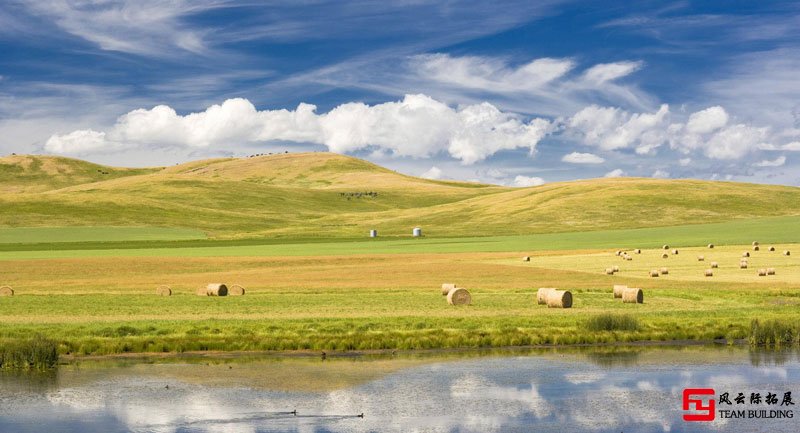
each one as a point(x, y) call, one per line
point(515, 93)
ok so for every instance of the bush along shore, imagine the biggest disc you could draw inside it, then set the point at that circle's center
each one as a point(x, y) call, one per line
point(37, 353)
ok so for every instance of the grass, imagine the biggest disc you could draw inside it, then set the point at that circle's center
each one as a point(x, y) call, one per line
point(37, 353)
point(97, 234)
point(774, 333)
point(612, 322)
point(299, 196)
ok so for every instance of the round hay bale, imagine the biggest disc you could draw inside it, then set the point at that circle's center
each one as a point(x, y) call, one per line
point(609, 271)
point(654, 273)
point(447, 287)
point(786, 253)
point(618, 252)
point(6, 291)
point(542, 293)
point(762, 272)
point(628, 258)
point(771, 249)
point(615, 268)
point(714, 265)
point(770, 271)
point(755, 243)
point(632, 295)
point(665, 256)
point(666, 247)
point(756, 248)
point(709, 273)
point(217, 289)
point(163, 290)
point(745, 254)
point(742, 265)
point(618, 289)
point(459, 296)
point(637, 251)
point(664, 271)
point(701, 258)
point(526, 259)
point(559, 299)
point(675, 251)
point(710, 245)
point(236, 290)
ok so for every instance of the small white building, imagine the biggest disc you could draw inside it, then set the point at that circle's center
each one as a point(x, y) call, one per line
point(373, 233)
point(417, 232)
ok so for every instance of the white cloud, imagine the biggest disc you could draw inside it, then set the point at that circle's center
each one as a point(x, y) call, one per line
point(708, 120)
point(416, 126)
point(777, 162)
point(432, 173)
point(611, 128)
point(604, 72)
point(684, 162)
point(660, 174)
point(734, 142)
point(583, 158)
point(617, 172)
point(523, 181)
point(793, 146)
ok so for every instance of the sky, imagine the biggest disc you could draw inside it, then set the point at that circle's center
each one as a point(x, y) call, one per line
point(516, 93)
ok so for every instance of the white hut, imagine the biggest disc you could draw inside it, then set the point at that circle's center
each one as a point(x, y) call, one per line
point(417, 232)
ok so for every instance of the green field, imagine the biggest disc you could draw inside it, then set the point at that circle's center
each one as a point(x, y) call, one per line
point(315, 282)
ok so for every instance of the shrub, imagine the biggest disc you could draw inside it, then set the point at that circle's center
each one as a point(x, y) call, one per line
point(773, 333)
point(612, 322)
point(38, 353)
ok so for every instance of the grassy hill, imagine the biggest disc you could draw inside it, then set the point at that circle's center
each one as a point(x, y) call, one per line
point(312, 195)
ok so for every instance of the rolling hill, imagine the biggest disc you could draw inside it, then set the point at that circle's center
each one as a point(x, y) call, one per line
point(309, 195)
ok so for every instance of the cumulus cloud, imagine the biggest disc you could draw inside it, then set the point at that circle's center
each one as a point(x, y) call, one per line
point(777, 162)
point(660, 174)
point(583, 158)
point(611, 128)
point(617, 172)
point(708, 120)
point(523, 181)
point(416, 126)
point(684, 162)
point(432, 173)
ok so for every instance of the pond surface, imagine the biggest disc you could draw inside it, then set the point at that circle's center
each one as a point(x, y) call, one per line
point(589, 390)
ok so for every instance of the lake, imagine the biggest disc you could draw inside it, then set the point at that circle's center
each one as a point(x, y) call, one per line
point(620, 389)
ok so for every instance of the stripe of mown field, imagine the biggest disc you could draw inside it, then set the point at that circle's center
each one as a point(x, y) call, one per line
point(765, 230)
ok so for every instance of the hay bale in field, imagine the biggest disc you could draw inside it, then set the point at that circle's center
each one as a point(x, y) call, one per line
point(615, 268)
point(709, 273)
point(163, 290)
point(6, 291)
point(665, 246)
point(447, 287)
point(762, 272)
point(628, 258)
point(711, 245)
point(559, 299)
point(526, 259)
point(755, 243)
point(675, 251)
point(618, 252)
point(745, 254)
point(637, 251)
point(216, 289)
point(632, 295)
point(665, 256)
point(618, 289)
point(701, 258)
point(664, 271)
point(459, 296)
point(609, 271)
point(542, 293)
point(714, 265)
point(771, 249)
point(756, 248)
point(770, 271)
point(654, 273)
point(786, 253)
point(742, 265)
point(236, 290)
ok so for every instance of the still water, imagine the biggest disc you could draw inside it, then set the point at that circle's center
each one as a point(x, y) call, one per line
point(588, 390)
